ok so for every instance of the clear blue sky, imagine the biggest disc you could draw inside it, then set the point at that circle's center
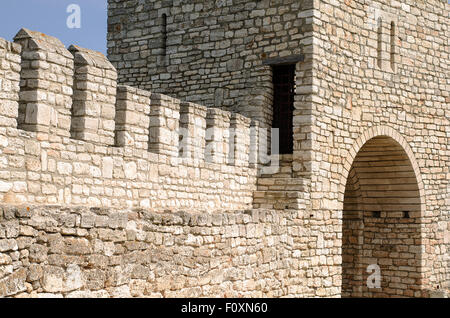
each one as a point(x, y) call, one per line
point(50, 17)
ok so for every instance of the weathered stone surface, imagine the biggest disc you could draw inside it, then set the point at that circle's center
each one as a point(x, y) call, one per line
point(115, 263)
point(56, 279)
point(14, 283)
point(84, 168)
point(367, 183)
point(359, 76)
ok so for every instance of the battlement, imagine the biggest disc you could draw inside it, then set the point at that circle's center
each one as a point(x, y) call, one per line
point(66, 104)
point(115, 191)
point(74, 93)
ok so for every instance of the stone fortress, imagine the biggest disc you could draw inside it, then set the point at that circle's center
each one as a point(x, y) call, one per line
point(101, 196)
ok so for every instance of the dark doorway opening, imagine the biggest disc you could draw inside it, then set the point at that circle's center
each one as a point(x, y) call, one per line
point(283, 105)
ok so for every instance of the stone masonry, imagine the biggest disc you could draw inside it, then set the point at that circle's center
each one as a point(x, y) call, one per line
point(145, 174)
point(365, 69)
point(99, 252)
point(213, 48)
point(82, 165)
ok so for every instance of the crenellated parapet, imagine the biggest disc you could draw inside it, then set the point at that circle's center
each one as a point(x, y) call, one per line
point(218, 135)
point(74, 93)
point(192, 131)
point(76, 137)
point(164, 125)
point(94, 97)
point(239, 140)
point(47, 73)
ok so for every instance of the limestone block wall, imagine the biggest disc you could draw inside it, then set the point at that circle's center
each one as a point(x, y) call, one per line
point(70, 136)
point(47, 74)
point(389, 240)
point(132, 118)
point(372, 79)
point(208, 52)
point(94, 97)
point(99, 252)
point(9, 83)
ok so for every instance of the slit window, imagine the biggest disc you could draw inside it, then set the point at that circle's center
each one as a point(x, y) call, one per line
point(164, 34)
point(380, 43)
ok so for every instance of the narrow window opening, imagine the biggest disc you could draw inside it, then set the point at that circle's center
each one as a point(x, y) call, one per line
point(406, 215)
point(376, 214)
point(283, 105)
point(380, 43)
point(164, 34)
point(392, 45)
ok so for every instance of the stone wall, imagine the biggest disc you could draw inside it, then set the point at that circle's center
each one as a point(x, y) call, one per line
point(220, 53)
point(208, 52)
point(369, 83)
point(370, 70)
point(97, 252)
point(9, 83)
point(69, 135)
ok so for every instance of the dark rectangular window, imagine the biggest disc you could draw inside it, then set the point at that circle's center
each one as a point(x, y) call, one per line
point(283, 105)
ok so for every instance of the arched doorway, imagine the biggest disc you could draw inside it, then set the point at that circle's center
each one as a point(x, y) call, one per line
point(383, 204)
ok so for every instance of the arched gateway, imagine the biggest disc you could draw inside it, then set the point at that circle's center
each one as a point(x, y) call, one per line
point(383, 205)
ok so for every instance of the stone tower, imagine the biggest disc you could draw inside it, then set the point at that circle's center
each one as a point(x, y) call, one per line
point(142, 175)
point(216, 53)
point(359, 91)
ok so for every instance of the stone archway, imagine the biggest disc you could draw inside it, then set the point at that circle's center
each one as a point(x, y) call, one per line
point(382, 216)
